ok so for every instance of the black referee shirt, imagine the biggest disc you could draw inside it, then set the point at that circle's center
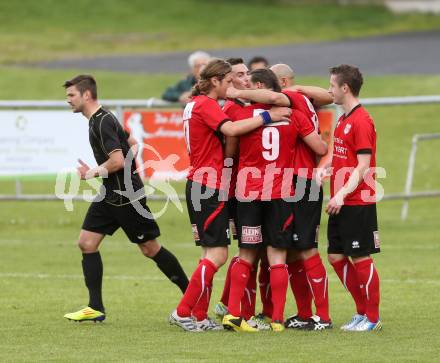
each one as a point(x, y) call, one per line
point(107, 135)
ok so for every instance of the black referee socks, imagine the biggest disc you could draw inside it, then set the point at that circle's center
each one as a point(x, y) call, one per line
point(171, 268)
point(92, 269)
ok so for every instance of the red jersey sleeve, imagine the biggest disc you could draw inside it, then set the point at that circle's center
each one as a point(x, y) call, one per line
point(213, 115)
point(230, 109)
point(297, 100)
point(364, 134)
point(302, 123)
point(301, 103)
point(290, 95)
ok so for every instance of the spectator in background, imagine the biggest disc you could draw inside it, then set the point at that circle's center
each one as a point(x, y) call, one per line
point(182, 90)
point(258, 62)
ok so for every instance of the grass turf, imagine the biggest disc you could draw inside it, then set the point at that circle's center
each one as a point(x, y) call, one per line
point(60, 29)
point(40, 280)
point(40, 270)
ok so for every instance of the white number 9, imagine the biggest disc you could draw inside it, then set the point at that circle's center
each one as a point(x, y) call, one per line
point(271, 142)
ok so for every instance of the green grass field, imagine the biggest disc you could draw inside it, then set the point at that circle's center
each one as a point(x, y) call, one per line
point(40, 273)
point(40, 265)
point(43, 84)
point(60, 29)
point(40, 280)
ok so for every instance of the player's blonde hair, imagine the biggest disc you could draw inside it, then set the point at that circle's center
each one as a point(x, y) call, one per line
point(217, 68)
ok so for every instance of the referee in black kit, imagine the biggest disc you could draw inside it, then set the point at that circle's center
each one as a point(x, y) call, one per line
point(112, 209)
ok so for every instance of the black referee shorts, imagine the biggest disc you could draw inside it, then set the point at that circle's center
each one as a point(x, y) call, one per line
point(353, 232)
point(105, 218)
point(210, 218)
point(307, 212)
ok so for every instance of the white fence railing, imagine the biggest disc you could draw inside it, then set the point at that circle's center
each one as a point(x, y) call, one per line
point(410, 173)
point(119, 105)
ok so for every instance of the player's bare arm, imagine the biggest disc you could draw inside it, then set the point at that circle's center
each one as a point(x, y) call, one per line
point(260, 95)
point(316, 143)
point(114, 163)
point(133, 145)
point(320, 96)
point(231, 146)
point(335, 204)
point(324, 171)
point(242, 127)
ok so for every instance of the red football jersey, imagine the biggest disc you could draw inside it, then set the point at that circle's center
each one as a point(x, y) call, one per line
point(305, 157)
point(202, 118)
point(265, 168)
point(354, 133)
point(304, 127)
point(233, 109)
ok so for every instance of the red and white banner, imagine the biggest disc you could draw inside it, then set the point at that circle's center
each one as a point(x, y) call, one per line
point(162, 150)
point(163, 153)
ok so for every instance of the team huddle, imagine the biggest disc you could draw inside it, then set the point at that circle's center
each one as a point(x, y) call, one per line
point(257, 167)
point(254, 167)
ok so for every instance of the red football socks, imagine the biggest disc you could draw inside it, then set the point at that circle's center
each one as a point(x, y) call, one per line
point(318, 281)
point(369, 281)
point(225, 294)
point(300, 288)
point(348, 276)
point(200, 310)
point(265, 289)
point(249, 297)
point(240, 273)
point(279, 280)
point(200, 286)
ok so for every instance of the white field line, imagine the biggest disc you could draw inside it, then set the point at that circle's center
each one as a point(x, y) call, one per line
point(184, 245)
point(117, 244)
point(6, 275)
point(75, 277)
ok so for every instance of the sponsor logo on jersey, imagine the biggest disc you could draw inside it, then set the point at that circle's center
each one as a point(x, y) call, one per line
point(355, 244)
point(341, 150)
point(347, 129)
point(251, 235)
